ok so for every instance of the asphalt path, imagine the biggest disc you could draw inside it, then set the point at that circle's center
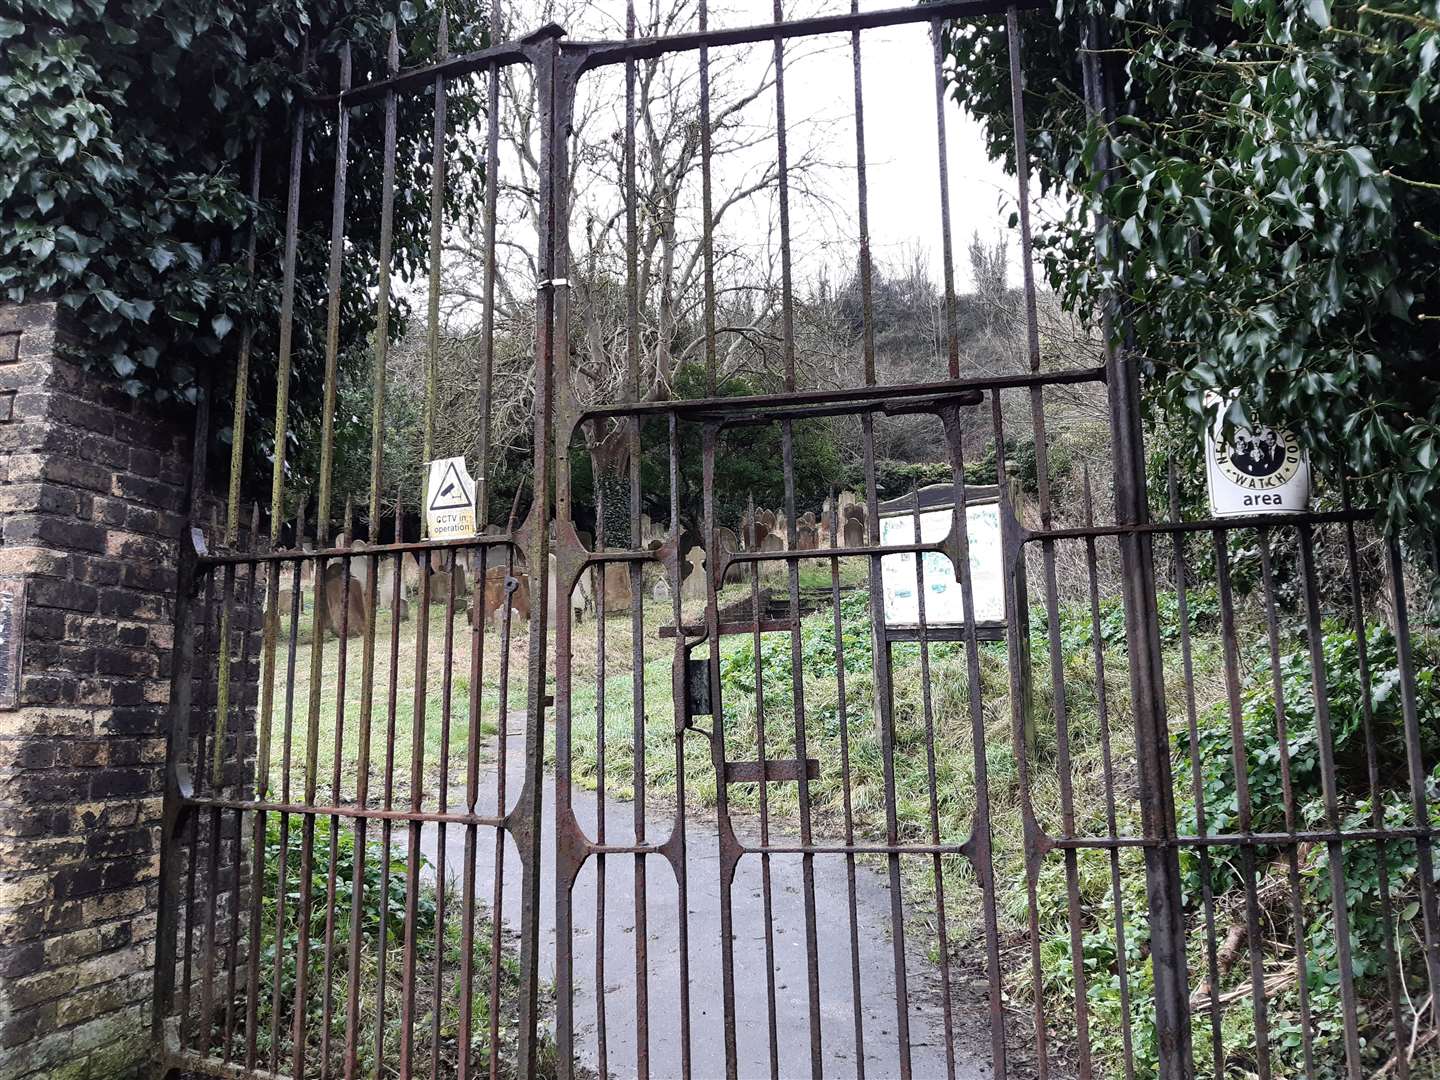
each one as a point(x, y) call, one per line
point(760, 1053)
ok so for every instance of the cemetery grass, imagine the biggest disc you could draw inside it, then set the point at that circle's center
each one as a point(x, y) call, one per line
point(439, 946)
point(943, 742)
point(444, 737)
point(439, 734)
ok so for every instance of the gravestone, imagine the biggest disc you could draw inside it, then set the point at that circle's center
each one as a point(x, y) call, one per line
point(385, 591)
point(616, 583)
point(344, 604)
point(359, 566)
point(440, 586)
point(409, 573)
point(307, 577)
point(806, 538)
point(493, 597)
point(584, 598)
point(577, 598)
point(660, 590)
point(694, 587)
point(854, 532)
point(772, 568)
point(726, 543)
point(440, 579)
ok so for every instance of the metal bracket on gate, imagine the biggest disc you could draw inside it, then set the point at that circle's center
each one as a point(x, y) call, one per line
point(697, 687)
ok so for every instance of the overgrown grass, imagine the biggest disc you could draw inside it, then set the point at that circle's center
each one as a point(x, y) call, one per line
point(439, 738)
point(437, 935)
point(934, 730)
point(1082, 775)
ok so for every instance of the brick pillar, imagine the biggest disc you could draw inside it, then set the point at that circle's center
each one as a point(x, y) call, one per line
point(92, 492)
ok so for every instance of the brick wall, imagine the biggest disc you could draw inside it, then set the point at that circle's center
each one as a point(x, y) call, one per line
point(92, 494)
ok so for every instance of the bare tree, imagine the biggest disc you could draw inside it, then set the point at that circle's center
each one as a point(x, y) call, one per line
point(639, 266)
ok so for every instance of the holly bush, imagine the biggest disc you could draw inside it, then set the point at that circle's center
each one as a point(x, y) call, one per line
point(1271, 211)
point(128, 132)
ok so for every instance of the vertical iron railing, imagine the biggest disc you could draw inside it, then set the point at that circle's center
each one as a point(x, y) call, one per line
point(854, 907)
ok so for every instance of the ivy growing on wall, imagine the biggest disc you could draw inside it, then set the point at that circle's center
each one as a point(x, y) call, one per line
point(127, 136)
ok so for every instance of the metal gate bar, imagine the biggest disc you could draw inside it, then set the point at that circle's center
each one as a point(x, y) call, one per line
point(220, 770)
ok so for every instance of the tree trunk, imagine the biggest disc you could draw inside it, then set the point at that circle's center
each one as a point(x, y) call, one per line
point(610, 459)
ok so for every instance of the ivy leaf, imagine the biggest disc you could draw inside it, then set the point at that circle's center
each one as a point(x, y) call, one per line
point(221, 324)
point(1362, 160)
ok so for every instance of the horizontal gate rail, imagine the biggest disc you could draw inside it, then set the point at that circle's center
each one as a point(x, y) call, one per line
point(734, 408)
point(812, 786)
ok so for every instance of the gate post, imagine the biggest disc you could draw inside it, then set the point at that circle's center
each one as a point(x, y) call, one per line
point(1142, 641)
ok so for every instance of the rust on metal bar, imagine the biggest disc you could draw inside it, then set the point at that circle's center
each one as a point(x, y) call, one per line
point(774, 771)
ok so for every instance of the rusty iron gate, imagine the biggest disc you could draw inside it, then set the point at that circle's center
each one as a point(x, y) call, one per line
point(806, 898)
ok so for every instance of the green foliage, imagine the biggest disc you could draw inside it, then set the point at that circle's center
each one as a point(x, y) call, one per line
point(817, 650)
point(1271, 208)
point(1202, 609)
point(382, 901)
point(896, 478)
point(127, 136)
point(1344, 694)
point(1263, 757)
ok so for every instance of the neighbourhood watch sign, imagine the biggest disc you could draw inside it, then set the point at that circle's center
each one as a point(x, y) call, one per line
point(1260, 470)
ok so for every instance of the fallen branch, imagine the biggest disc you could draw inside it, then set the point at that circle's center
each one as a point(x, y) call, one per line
point(1418, 1042)
point(1271, 986)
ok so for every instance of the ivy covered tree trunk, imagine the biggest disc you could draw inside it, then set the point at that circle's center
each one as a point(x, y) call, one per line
point(610, 456)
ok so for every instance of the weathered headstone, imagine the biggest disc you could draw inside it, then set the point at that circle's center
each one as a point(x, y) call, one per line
point(307, 570)
point(440, 586)
point(493, 601)
point(660, 591)
point(854, 532)
point(727, 543)
point(286, 598)
point(409, 573)
point(694, 587)
point(806, 538)
point(617, 588)
point(343, 606)
point(385, 584)
point(772, 568)
point(578, 598)
point(359, 566)
point(584, 596)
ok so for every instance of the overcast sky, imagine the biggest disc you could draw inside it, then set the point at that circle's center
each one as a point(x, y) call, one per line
point(901, 146)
